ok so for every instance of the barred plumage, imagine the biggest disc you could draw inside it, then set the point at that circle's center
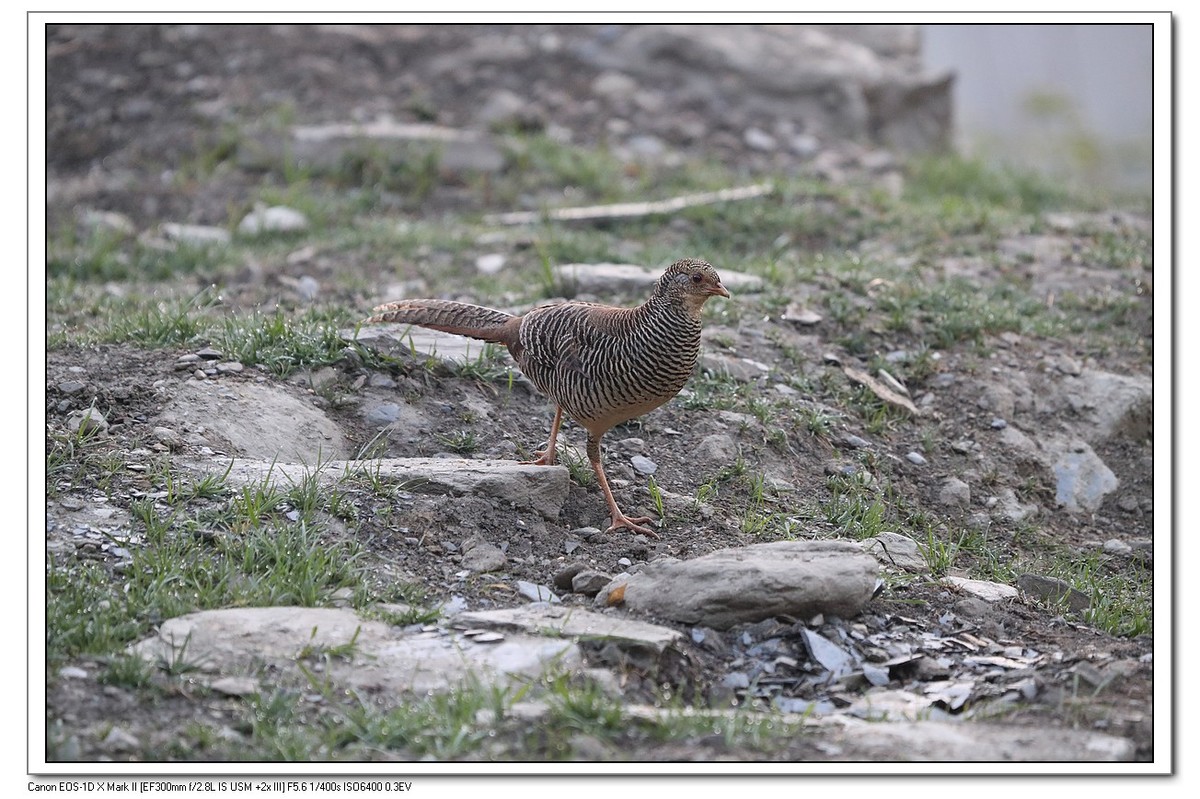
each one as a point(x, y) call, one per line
point(601, 365)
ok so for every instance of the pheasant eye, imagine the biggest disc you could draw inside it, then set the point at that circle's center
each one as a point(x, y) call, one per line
point(697, 278)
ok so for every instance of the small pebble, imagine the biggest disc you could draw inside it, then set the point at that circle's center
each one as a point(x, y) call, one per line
point(643, 465)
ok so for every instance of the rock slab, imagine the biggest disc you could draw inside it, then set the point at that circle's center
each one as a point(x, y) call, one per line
point(539, 488)
point(574, 623)
point(378, 659)
point(749, 584)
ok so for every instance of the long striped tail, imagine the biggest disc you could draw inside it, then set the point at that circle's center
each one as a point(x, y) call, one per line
point(460, 318)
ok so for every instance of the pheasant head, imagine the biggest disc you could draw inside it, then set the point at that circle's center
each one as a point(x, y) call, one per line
point(689, 283)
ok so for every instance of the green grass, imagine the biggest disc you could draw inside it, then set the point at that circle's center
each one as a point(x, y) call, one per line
point(854, 508)
point(463, 442)
point(1121, 596)
point(950, 181)
point(212, 546)
point(475, 721)
point(101, 255)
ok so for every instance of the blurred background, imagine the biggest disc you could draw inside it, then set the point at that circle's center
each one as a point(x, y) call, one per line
point(185, 122)
point(1071, 100)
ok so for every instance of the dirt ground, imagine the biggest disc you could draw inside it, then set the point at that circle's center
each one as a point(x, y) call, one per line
point(126, 100)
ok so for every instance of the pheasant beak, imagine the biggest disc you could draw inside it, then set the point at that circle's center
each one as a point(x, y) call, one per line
point(718, 290)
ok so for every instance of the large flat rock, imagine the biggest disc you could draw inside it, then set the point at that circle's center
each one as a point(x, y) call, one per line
point(546, 619)
point(368, 656)
point(748, 584)
point(539, 488)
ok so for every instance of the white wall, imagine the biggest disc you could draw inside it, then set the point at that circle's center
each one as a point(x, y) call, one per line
point(1101, 73)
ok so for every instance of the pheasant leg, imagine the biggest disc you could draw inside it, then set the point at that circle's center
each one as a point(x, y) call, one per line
point(546, 457)
point(619, 520)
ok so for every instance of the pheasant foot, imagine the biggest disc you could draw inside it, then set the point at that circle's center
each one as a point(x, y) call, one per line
point(635, 523)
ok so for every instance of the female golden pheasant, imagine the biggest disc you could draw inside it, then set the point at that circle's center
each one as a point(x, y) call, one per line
point(601, 365)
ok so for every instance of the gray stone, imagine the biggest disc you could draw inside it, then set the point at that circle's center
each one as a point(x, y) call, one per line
point(736, 680)
point(954, 493)
point(480, 556)
point(490, 264)
point(1011, 509)
point(167, 436)
point(72, 386)
point(805, 145)
point(589, 582)
point(643, 465)
point(628, 447)
point(984, 589)
point(973, 608)
point(575, 623)
point(196, 235)
point(947, 741)
point(235, 686)
point(758, 139)
point(273, 219)
point(536, 593)
point(539, 488)
point(107, 220)
point(1068, 365)
point(1013, 439)
point(382, 414)
point(307, 288)
point(761, 581)
point(644, 146)
point(1115, 546)
point(614, 85)
point(1053, 590)
point(741, 369)
point(897, 550)
point(564, 577)
point(87, 421)
point(1110, 404)
point(383, 661)
point(800, 315)
point(506, 108)
point(433, 343)
point(1083, 480)
point(915, 458)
